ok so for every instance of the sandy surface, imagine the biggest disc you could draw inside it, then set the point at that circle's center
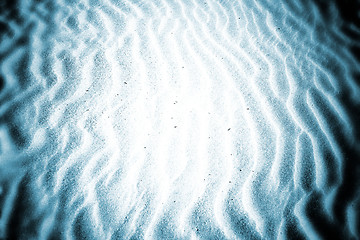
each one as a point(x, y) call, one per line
point(178, 120)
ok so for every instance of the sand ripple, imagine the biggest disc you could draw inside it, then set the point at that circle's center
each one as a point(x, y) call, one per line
point(173, 119)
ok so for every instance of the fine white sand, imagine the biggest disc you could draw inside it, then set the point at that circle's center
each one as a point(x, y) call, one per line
point(177, 120)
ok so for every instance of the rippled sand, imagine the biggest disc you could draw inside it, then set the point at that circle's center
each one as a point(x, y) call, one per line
point(170, 119)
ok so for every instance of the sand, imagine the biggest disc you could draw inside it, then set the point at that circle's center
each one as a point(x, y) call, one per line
point(173, 119)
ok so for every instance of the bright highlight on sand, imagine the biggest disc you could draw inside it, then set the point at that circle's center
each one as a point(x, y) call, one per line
point(178, 120)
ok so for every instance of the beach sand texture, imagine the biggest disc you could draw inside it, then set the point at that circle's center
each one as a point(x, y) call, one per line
point(179, 119)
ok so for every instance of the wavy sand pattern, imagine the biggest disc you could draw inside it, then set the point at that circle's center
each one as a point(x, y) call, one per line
point(171, 119)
